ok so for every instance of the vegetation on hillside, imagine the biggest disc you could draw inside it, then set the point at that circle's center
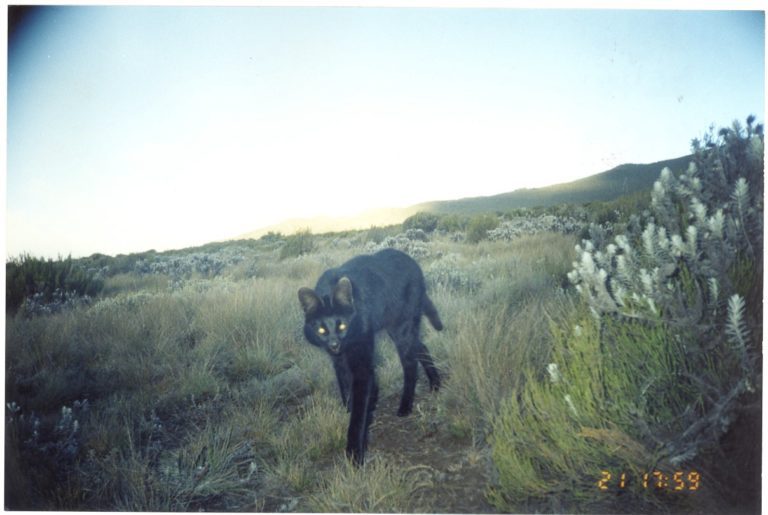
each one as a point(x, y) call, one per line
point(623, 180)
point(662, 357)
point(600, 357)
point(52, 283)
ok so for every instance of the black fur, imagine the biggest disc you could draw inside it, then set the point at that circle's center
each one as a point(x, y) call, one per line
point(349, 305)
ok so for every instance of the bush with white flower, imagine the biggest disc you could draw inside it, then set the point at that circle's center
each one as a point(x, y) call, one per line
point(521, 226)
point(413, 242)
point(662, 358)
point(696, 266)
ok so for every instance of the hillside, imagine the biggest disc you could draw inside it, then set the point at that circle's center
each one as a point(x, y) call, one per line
point(621, 180)
point(609, 185)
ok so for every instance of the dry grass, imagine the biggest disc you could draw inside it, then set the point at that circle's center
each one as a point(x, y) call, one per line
point(377, 487)
point(206, 396)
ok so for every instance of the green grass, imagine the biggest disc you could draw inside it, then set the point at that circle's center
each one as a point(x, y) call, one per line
point(203, 394)
point(127, 282)
point(377, 487)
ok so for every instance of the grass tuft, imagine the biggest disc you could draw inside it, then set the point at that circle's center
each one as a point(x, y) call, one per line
point(377, 487)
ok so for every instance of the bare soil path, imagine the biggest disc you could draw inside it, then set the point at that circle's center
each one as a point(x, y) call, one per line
point(457, 473)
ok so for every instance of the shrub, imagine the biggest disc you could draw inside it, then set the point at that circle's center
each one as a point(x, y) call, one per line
point(452, 223)
point(696, 265)
point(48, 281)
point(411, 242)
point(479, 226)
point(448, 273)
point(272, 237)
point(298, 244)
point(427, 222)
point(519, 226)
point(666, 341)
point(183, 266)
point(52, 447)
point(123, 263)
point(376, 234)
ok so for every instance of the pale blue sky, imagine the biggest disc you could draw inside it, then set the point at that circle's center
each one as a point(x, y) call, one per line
point(135, 128)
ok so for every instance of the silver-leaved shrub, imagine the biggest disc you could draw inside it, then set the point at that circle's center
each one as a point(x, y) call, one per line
point(519, 226)
point(658, 363)
point(694, 264)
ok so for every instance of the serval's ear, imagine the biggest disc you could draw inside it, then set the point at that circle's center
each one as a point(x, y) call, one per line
point(342, 293)
point(309, 300)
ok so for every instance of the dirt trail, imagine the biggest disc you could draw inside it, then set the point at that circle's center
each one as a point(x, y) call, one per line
point(458, 474)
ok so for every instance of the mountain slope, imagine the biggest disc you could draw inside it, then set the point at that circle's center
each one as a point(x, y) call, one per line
point(624, 179)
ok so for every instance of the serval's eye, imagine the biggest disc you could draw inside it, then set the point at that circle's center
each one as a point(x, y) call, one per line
point(321, 330)
point(342, 326)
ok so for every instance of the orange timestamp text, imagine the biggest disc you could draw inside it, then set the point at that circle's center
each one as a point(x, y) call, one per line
point(677, 481)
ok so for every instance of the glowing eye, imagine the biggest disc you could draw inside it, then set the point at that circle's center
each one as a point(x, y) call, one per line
point(321, 330)
point(342, 326)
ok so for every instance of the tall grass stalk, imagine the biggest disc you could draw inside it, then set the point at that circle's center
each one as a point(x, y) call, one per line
point(588, 411)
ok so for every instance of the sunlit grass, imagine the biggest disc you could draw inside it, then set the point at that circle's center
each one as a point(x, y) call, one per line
point(203, 394)
point(183, 379)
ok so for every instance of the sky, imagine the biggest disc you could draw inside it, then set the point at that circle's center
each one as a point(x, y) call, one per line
point(136, 128)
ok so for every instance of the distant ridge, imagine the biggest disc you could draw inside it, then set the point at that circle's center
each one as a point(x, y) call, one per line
point(609, 185)
point(618, 181)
